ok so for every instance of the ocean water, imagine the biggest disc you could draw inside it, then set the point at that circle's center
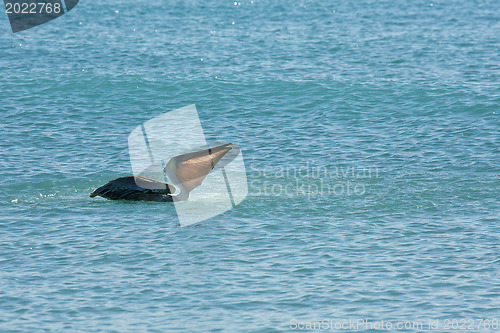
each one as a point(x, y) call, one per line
point(370, 131)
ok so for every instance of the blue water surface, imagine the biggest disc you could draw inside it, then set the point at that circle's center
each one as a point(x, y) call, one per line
point(370, 131)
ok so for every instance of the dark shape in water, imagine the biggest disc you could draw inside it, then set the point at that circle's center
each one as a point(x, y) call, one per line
point(186, 172)
point(127, 188)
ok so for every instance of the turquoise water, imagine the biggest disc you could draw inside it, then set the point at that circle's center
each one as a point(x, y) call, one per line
point(370, 131)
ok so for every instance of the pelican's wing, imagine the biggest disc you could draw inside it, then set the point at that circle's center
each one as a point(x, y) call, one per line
point(191, 169)
point(135, 188)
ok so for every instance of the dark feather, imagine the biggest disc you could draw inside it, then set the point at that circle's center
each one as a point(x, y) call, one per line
point(126, 188)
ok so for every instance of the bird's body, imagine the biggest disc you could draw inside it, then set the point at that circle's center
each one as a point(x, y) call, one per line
point(127, 188)
point(186, 172)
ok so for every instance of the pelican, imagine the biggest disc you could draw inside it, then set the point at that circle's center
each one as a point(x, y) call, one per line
point(185, 172)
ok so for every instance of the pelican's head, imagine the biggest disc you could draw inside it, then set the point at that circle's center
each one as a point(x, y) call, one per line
point(187, 171)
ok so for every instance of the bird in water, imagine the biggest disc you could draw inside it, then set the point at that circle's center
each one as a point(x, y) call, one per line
point(185, 172)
